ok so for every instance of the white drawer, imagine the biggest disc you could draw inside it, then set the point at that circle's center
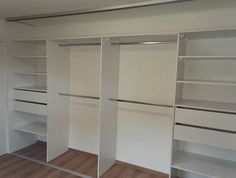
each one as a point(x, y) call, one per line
point(30, 96)
point(206, 119)
point(206, 137)
point(32, 108)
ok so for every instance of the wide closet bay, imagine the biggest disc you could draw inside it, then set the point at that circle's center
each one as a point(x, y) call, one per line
point(69, 100)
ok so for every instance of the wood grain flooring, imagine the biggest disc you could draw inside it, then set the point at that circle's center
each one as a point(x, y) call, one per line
point(73, 160)
point(14, 167)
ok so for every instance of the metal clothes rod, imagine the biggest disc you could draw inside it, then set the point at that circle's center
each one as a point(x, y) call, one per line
point(79, 96)
point(79, 44)
point(143, 103)
point(143, 43)
point(95, 10)
point(120, 43)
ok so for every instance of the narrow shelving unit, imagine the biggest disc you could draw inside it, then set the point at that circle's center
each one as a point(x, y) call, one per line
point(205, 106)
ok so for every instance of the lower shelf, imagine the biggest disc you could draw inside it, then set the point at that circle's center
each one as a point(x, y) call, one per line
point(36, 128)
point(204, 165)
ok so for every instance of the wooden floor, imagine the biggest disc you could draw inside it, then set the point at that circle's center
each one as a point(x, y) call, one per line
point(81, 162)
point(14, 167)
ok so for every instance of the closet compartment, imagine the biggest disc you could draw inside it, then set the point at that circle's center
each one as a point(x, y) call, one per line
point(27, 95)
point(82, 65)
point(204, 130)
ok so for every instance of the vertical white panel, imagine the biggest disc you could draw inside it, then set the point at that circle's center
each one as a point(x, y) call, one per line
point(2, 96)
point(108, 109)
point(58, 106)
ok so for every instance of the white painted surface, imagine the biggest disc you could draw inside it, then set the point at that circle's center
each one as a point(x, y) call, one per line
point(30, 96)
point(32, 108)
point(206, 119)
point(3, 99)
point(58, 106)
point(23, 7)
point(108, 109)
point(207, 14)
point(206, 137)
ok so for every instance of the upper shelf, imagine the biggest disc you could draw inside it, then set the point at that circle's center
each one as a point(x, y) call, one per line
point(30, 57)
point(32, 73)
point(207, 57)
point(33, 88)
point(204, 165)
point(207, 82)
point(207, 105)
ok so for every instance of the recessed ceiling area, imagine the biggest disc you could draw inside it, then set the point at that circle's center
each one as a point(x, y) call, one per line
point(18, 8)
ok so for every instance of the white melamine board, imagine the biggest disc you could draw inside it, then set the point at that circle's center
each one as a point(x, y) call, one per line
point(207, 82)
point(148, 73)
point(3, 136)
point(58, 106)
point(208, 105)
point(36, 88)
point(30, 96)
point(32, 108)
point(204, 165)
point(36, 128)
point(30, 57)
point(206, 119)
point(31, 73)
point(207, 58)
point(206, 137)
point(108, 109)
point(84, 80)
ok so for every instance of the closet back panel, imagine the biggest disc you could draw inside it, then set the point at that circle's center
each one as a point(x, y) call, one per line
point(84, 113)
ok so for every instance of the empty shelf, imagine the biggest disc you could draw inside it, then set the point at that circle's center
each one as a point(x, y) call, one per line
point(30, 57)
point(32, 73)
point(33, 88)
point(207, 105)
point(36, 128)
point(204, 165)
point(207, 82)
point(207, 57)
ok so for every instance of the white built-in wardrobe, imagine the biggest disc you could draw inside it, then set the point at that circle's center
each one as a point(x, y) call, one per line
point(202, 104)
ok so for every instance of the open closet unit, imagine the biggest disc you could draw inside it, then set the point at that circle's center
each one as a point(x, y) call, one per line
point(35, 112)
point(205, 120)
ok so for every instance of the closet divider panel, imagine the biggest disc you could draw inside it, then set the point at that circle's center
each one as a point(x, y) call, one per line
point(2, 102)
point(58, 107)
point(108, 108)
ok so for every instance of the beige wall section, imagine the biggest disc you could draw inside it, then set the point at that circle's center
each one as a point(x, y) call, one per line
point(144, 134)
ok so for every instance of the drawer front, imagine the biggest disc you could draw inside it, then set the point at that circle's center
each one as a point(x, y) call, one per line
point(206, 137)
point(32, 108)
point(30, 96)
point(206, 119)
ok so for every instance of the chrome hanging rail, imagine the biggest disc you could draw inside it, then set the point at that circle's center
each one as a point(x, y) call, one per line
point(119, 43)
point(95, 10)
point(142, 103)
point(79, 96)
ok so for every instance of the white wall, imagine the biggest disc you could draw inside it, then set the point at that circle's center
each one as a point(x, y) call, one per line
point(2, 93)
point(144, 137)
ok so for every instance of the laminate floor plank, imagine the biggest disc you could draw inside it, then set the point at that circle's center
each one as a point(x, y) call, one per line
point(21, 168)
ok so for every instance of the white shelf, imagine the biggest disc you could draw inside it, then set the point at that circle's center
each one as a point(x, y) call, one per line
point(32, 73)
point(33, 88)
point(204, 165)
point(207, 57)
point(208, 105)
point(30, 57)
point(36, 128)
point(207, 82)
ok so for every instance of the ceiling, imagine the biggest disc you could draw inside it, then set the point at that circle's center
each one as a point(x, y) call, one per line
point(16, 8)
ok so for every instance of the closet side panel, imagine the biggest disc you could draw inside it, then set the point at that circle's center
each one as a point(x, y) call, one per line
point(108, 108)
point(2, 95)
point(58, 107)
